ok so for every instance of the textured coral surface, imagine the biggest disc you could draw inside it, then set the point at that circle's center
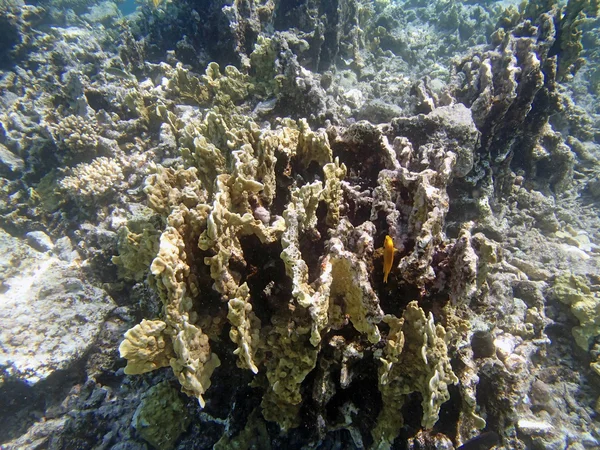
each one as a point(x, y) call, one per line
point(194, 200)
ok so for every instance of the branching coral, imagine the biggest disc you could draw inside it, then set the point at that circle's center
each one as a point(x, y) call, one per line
point(77, 135)
point(146, 347)
point(137, 246)
point(245, 330)
point(93, 181)
point(213, 88)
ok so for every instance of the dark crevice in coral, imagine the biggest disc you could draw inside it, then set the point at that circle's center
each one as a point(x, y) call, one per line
point(309, 174)
point(309, 409)
point(201, 434)
point(405, 195)
point(41, 160)
point(294, 438)
point(283, 183)
point(359, 147)
point(357, 213)
point(312, 244)
point(348, 332)
point(330, 39)
point(97, 101)
point(363, 165)
point(333, 439)
point(208, 299)
point(230, 384)
point(394, 296)
point(285, 16)
point(418, 132)
point(450, 413)
point(268, 283)
point(245, 400)
point(463, 206)
point(363, 394)
point(382, 230)
point(433, 302)
point(493, 383)
point(412, 412)
point(121, 293)
point(541, 108)
point(109, 378)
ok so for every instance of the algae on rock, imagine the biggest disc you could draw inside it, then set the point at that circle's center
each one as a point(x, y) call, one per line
point(575, 291)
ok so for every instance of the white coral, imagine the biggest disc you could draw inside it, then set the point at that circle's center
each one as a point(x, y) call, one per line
point(93, 180)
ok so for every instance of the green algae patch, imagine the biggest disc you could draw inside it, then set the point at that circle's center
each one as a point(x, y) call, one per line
point(575, 291)
point(161, 417)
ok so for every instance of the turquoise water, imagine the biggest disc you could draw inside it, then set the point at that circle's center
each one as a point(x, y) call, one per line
point(128, 7)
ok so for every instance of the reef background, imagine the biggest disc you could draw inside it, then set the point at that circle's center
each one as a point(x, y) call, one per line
point(194, 200)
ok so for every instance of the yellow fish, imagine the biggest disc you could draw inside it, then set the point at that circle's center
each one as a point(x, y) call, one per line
point(388, 257)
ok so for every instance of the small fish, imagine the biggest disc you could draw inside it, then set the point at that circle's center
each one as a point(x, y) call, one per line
point(388, 257)
point(484, 441)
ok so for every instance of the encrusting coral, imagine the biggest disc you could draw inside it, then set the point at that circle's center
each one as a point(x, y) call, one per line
point(575, 292)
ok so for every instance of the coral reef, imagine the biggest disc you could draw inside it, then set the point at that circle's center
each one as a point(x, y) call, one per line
point(206, 189)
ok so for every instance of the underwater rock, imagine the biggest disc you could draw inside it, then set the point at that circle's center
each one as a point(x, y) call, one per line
point(38, 435)
point(105, 13)
point(482, 343)
point(46, 310)
point(11, 165)
point(451, 127)
point(40, 241)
